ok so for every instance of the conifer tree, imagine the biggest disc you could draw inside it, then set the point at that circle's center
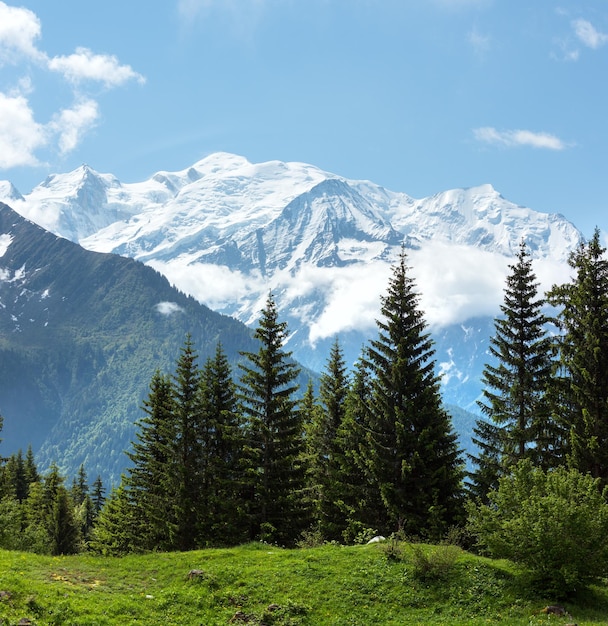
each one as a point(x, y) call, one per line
point(16, 477)
point(114, 533)
point(411, 451)
point(80, 487)
point(98, 495)
point(324, 444)
point(31, 471)
point(515, 397)
point(360, 499)
point(221, 507)
point(274, 445)
point(187, 468)
point(150, 483)
point(583, 318)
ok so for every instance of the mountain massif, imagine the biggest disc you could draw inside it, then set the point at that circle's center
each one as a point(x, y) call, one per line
point(225, 231)
point(83, 327)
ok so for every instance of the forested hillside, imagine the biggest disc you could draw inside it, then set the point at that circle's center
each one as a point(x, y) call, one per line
point(81, 334)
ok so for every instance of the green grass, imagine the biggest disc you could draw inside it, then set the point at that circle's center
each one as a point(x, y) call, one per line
point(260, 584)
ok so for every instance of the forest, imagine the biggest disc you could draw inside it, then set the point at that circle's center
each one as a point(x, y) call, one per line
point(223, 458)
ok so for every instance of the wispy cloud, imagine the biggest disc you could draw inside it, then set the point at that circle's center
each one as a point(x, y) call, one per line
point(518, 138)
point(21, 136)
point(85, 65)
point(479, 42)
point(588, 35)
point(71, 124)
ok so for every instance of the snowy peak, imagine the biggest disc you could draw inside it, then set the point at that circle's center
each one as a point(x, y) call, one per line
point(8, 192)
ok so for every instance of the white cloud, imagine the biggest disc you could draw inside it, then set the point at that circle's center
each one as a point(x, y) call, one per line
point(588, 35)
point(457, 283)
point(168, 308)
point(516, 138)
point(19, 29)
point(72, 124)
point(20, 135)
point(85, 65)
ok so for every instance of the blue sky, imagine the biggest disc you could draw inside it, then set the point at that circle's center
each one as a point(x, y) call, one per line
point(419, 96)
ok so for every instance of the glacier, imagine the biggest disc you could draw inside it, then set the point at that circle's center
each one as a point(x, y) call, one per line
point(227, 231)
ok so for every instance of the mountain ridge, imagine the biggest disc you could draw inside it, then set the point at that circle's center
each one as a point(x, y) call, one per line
point(226, 231)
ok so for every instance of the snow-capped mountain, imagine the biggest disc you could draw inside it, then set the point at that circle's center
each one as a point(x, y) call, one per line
point(226, 231)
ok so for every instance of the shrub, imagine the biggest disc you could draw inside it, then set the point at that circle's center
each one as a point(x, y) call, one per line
point(554, 524)
point(435, 563)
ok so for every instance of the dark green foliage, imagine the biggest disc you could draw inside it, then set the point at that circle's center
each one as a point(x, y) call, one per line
point(583, 391)
point(516, 402)
point(221, 505)
point(98, 495)
point(410, 452)
point(325, 447)
point(153, 471)
point(554, 523)
point(91, 336)
point(274, 431)
point(115, 529)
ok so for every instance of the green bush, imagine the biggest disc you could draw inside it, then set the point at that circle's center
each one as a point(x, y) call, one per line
point(434, 563)
point(554, 524)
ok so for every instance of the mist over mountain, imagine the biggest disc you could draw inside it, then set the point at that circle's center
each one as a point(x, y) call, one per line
point(225, 231)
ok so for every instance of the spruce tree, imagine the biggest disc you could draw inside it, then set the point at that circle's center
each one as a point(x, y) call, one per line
point(411, 453)
point(360, 499)
point(515, 396)
point(325, 449)
point(31, 471)
point(221, 440)
point(150, 482)
point(186, 488)
point(583, 319)
point(274, 444)
point(98, 495)
point(114, 532)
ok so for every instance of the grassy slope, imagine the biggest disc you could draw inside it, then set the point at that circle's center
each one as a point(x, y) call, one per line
point(317, 586)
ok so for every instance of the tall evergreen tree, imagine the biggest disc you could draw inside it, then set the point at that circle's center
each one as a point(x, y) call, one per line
point(150, 482)
point(325, 450)
point(31, 471)
point(114, 533)
point(221, 441)
point(411, 451)
point(360, 499)
point(583, 318)
point(187, 471)
point(98, 495)
point(515, 395)
point(274, 433)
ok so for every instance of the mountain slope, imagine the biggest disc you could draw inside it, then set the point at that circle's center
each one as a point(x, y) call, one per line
point(226, 231)
point(81, 334)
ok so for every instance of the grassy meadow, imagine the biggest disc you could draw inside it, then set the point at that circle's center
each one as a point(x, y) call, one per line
point(257, 584)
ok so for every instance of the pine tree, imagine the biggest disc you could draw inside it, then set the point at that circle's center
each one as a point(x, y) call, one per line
point(360, 499)
point(150, 482)
point(188, 454)
point(114, 532)
point(411, 451)
point(80, 486)
point(324, 444)
point(16, 477)
point(64, 533)
point(516, 402)
point(221, 442)
point(583, 318)
point(274, 433)
point(98, 496)
point(31, 471)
